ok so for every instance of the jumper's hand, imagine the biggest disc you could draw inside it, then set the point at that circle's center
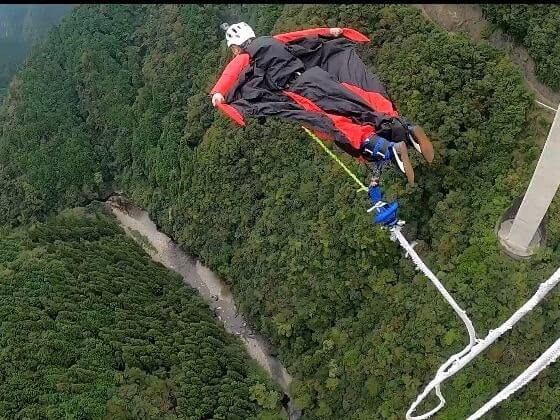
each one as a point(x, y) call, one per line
point(217, 98)
point(336, 31)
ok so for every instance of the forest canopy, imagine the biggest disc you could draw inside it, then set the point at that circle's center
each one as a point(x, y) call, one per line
point(537, 28)
point(117, 98)
point(93, 328)
point(21, 27)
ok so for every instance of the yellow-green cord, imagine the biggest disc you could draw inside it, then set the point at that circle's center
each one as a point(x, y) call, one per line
point(337, 160)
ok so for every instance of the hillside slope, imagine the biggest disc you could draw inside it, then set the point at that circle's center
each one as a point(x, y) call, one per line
point(537, 27)
point(117, 98)
point(470, 19)
point(93, 328)
point(22, 26)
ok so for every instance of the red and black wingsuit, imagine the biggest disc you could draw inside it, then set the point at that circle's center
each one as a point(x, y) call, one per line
point(311, 78)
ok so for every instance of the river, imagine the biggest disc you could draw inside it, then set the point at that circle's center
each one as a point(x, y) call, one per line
point(137, 224)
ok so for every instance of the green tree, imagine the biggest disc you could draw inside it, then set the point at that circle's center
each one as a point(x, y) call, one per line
point(121, 91)
point(93, 328)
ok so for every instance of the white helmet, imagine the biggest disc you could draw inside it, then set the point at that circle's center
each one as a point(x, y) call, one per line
point(238, 33)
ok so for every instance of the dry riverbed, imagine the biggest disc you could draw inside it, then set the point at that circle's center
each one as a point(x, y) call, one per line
point(137, 224)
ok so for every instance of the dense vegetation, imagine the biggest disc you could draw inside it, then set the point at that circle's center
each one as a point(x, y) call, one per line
point(22, 26)
point(92, 328)
point(117, 96)
point(537, 27)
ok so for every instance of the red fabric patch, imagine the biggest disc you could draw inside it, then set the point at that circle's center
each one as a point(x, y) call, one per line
point(375, 100)
point(230, 74)
point(292, 36)
point(304, 102)
point(349, 33)
point(355, 133)
point(319, 134)
point(232, 113)
point(354, 35)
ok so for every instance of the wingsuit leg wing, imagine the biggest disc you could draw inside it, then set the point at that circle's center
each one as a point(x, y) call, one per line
point(341, 130)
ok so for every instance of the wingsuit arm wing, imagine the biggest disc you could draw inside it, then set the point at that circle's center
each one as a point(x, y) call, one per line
point(230, 74)
point(354, 35)
point(349, 33)
point(226, 81)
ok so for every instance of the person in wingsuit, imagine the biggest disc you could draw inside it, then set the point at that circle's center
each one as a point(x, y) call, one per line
point(315, 77)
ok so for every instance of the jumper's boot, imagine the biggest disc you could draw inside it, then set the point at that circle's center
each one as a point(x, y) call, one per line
point(379, 150)
point(418, 138)
point(399, 129)
point(385, 213)
point(400, 156)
